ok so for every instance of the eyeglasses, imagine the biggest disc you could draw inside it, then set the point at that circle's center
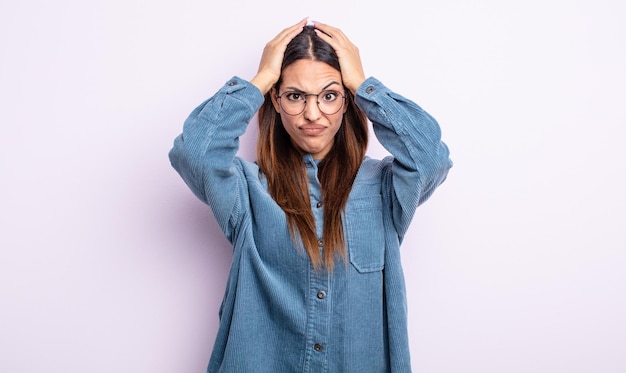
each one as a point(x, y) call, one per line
point(294, 103)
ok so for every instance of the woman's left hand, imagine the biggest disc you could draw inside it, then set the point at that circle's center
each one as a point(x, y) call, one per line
point(349, 58)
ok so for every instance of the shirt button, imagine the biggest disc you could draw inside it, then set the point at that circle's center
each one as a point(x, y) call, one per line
point(319, 204)
point(232, 83)
point(320, 242)
point(321, 294)
point(369, 89)
point(318, 347)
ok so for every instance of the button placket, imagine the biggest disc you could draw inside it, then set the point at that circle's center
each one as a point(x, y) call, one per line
point(319, 327)
point(318, 319)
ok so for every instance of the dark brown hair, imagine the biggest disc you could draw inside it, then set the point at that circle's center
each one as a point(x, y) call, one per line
point(285, 170)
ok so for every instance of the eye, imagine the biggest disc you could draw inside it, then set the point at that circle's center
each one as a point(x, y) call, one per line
point(329, 96)
point(294, 96)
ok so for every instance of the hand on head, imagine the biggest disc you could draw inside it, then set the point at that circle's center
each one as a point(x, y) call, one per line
point(272, 58)
point(349, 59)
point(348, 54)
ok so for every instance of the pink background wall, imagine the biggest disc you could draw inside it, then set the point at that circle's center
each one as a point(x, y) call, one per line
point(108, 263)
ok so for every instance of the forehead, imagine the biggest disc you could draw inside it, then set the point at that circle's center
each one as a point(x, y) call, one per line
point(310, 76)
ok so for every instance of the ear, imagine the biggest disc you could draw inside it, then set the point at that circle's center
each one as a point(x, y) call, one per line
point(274, 99)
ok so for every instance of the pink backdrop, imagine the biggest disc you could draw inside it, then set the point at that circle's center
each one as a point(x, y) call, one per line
point(108, 263)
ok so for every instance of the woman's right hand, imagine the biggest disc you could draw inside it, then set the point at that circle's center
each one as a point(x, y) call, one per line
point(272, 58)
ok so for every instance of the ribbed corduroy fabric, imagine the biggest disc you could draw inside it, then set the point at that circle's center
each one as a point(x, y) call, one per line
point(278, 313)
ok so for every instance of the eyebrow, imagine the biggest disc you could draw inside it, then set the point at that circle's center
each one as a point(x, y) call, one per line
point(301, 91)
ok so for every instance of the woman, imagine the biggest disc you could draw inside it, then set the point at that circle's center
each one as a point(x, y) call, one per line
point(316, 283)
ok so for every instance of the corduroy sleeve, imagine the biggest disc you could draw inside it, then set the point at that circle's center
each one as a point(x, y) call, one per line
point(413, 137)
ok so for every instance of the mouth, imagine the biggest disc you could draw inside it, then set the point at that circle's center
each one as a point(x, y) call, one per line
point(312, 129)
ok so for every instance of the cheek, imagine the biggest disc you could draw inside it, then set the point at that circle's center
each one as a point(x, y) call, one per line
point(288, 122)
point(336, 119)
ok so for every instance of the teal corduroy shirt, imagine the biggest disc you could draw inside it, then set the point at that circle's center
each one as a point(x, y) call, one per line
point(278, 313)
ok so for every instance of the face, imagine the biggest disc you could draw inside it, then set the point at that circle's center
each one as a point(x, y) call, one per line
point(311, 131)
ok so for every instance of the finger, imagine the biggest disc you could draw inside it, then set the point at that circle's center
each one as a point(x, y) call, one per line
point(324, 27)
point(329, 31)
point(292, 31)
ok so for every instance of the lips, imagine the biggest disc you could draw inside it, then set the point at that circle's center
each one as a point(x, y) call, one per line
point(312, 129)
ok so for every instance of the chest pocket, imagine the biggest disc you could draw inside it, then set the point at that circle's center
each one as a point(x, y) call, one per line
point(365, 233)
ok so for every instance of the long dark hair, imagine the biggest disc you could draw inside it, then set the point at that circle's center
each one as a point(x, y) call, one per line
point(285, 170)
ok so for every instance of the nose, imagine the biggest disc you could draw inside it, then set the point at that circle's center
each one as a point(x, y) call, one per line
point(311, 109)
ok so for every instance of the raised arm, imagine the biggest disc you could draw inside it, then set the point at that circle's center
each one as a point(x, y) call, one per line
point(420, 159)
point(205, 153)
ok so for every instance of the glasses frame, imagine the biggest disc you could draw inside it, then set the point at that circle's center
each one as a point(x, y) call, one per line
point(305, 95)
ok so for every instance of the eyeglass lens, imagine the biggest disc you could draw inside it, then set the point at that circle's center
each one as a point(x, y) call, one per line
point(294, 103)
